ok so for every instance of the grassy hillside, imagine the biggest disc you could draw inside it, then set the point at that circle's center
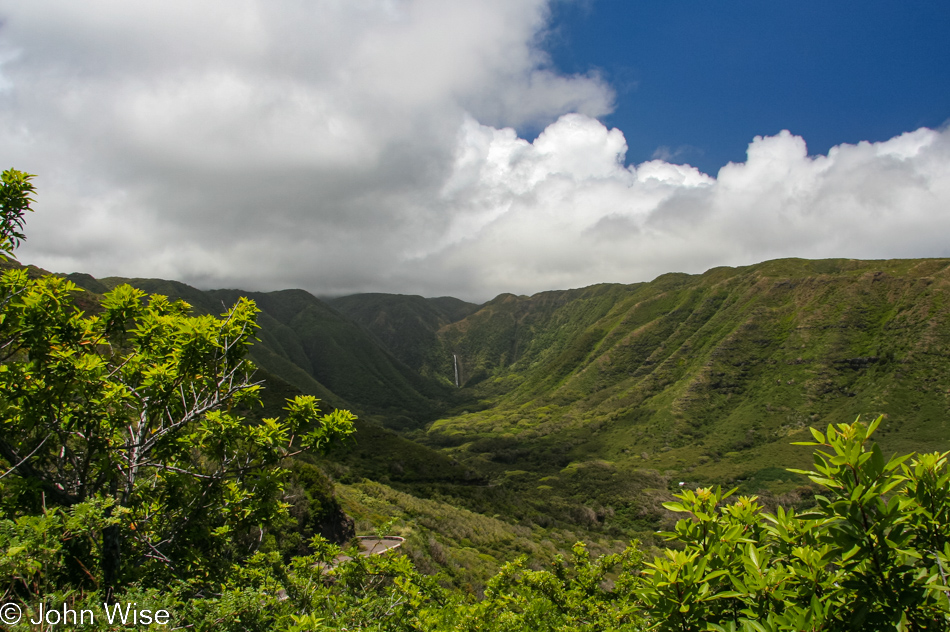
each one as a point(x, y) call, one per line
point(464, 546)
point(704, 377)
point(457, 521)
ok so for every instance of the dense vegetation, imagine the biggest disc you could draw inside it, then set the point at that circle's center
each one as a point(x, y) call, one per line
point(871, 555)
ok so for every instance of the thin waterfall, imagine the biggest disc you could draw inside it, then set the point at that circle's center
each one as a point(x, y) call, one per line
point(455, 359)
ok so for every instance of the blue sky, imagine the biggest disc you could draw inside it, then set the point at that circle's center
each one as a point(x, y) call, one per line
point(473, 147)
point(704, 78)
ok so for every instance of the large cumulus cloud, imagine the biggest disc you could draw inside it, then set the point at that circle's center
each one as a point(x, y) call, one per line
point(369, 145)
point(565, 211)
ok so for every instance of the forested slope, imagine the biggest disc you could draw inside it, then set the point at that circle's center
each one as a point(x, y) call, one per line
point(407, 326)
point(705, 375)
point(315, 348)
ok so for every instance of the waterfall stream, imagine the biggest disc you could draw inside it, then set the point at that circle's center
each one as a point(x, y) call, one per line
point(455, 359)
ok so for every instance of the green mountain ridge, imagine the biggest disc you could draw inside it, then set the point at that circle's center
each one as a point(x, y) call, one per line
point(709, 376)
point(315, 348)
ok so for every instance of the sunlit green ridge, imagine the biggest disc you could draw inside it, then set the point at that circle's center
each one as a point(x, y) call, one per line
point(690, 371)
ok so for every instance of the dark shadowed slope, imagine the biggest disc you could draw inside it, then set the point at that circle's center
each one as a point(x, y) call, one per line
point(315, 348)
point(406, 325)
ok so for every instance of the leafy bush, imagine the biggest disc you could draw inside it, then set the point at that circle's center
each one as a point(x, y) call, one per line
point(872, 555)
point(118, 427)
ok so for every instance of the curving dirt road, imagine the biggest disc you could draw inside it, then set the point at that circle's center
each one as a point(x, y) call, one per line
point(372, 545)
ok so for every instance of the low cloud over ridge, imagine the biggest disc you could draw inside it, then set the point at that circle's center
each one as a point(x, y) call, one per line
point(369, 146)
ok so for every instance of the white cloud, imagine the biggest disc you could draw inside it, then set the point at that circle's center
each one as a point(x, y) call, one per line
point(367, 145)
point(564, 211)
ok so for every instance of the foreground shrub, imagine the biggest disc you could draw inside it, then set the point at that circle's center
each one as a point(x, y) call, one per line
point(872, 555)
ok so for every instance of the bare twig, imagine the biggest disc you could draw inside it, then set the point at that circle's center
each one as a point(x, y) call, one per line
point(24, 459)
